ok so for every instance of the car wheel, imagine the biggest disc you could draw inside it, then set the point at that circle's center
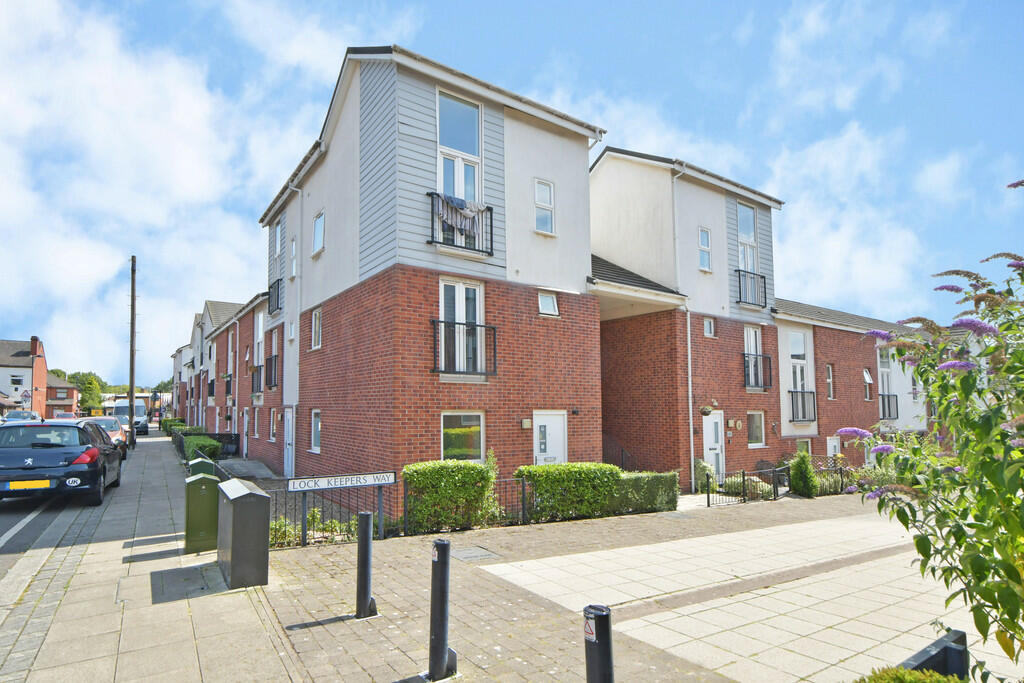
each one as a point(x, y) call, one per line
point(96, 497)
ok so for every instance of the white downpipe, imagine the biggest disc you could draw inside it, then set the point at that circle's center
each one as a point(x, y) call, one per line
point(298, 296)
point(689, 401)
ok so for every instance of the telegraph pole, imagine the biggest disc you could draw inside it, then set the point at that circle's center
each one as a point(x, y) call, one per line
point(131, 364)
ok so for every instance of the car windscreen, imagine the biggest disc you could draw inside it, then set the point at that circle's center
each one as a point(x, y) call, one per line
point(26, 436)
point(123, 419)
point(19, 415)
point(108, 423)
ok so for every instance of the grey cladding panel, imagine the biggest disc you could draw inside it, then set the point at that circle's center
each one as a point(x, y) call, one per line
point(764, 259)
point(377, 166)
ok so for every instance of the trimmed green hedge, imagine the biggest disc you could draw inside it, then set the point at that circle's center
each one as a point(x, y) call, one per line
point(182, 429)
point(449, 494)
point(570, 490)
point(645, 492)
point(210, 448)
point(895, 674)
point(166, 422)
point(756, 489)
point(703, 469)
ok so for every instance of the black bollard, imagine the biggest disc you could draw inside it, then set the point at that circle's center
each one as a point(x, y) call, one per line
point(443, 660)
point(366, 606)
point(597, 643)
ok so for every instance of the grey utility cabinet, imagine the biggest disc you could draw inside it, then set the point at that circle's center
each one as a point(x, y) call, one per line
point(243, 533)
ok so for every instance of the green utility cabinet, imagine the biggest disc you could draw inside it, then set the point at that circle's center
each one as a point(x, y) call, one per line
point(201, 466)
point(201, 513)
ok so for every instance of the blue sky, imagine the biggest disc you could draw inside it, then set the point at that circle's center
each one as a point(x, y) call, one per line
point(164, 129)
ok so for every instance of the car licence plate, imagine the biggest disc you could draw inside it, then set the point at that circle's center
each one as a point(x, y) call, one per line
point(30, 484)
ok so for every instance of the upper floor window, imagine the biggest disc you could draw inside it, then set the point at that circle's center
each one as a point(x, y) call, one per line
point(318, 233)
point(62, 393)
point(314, 431)
point(294, 268)
point(548, 303)
point(458, 137)
point(278, 236)
point(17, 380)
point(709, 327)
point(544, 197)
point(746, 222)
point(867, 384)
point(316, 326)
point(915, 388)
point(273, 343)
point(704, 248)
point(884, 372)
point(798, 361)
point(830, 388)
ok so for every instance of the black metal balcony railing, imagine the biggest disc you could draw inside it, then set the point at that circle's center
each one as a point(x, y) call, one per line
point(271, 370)
point(890, 406)
point(757, 371)
point(753, 288)
point(212, 390)
point(257, 379)
point(802, 408)
point(465, 348)
point(274, 303)
point(458, 227)
point(227, 386)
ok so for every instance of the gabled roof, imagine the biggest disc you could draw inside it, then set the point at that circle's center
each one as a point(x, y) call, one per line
point(603, 269)
point(834, 317)
point(432, 69)
point(53, 380)
point(221, 311)
point(242, 310)
point(685, 168)
point(15, 354)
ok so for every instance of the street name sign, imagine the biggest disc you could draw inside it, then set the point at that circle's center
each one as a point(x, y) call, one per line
point(343, 481)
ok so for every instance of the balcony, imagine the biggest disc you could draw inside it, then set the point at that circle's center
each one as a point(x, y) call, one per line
point(257, 379)
point(753, 290)
point(465, 348)
point(757, 371)
point(271, 370)
point(460, 227)
point(802, 408)
point(274, 303)
point(889, 405)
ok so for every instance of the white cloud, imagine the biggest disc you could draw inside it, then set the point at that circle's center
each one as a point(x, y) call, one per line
point(925, 33)
point(943, 180)
point(837, 241)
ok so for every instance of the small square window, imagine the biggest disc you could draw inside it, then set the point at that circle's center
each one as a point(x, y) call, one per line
point(544, 197)
point(314, 438)
point(709, 327)
point(803, 446)
point(318, 232)
point(755, 429)
point(17, 380)
point(548, 303)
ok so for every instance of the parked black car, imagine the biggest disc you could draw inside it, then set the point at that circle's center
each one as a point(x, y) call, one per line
point(142, 425)
point(57, 456)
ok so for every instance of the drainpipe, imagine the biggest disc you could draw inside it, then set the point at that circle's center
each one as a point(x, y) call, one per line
point(689, 399)
point(234, 383)
point(298, 307)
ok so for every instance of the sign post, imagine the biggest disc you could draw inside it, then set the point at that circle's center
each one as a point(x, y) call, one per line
point(342, 481)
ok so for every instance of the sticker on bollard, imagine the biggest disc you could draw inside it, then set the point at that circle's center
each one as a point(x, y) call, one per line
point(588, 628)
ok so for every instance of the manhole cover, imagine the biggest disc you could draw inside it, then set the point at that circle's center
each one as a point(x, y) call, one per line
point(473, 553)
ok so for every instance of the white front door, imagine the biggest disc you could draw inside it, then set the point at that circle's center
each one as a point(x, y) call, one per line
point(549, 437)
point(833, 449)
point(714, 443)
point(289, 442)
point(245, 433)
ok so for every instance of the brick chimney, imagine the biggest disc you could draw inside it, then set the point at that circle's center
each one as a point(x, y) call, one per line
point(37, 346)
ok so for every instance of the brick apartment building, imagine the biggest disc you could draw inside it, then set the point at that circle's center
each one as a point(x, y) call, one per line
point(61, 396)
point(446, 274)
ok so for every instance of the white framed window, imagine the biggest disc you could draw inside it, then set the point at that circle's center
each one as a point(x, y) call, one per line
point(462, 436)
point(279, 236)
point(62, 393)
point(294, 268)
point(704, 249)
point(548, 303)
point(915, 388)
point(273, 342)
point(458, 147)
point(884, 372)
point(798, 361)
point(709, 327)
point(17, 380)
point(318, 233)
point(746, 224)
point(256, 423)
point(867, 384)
point(461, 339)
point(755, 429)
point(830, 388)
point(273, 425)
point(315, 324)
point(231, 351)
point(753, 362)
point(291, 331)
point(544, 199)
point(314, 431)
point(803, 446)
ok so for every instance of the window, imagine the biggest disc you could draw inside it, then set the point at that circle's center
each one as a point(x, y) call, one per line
point(867, 384)
point(704, 249)
point(458, 138)
point(462, 436)
point(273, 424)
point(709, 327)
point(231, 351)
point(914, 387)
point(256, 423)
point(318, 233)
point(754, 370)
point(548, 303)
point(798, 361)
point(17, 380)
point(273, 343)
point(803, 446)
point(830, 388)
point(279, 236)
point(755, 430)
point(315, 324)
point(294, 269)
point(62, 393)
point(746, 221)
point(884, 371)
point(461, 337)
point(544, 197)
point(314, 431)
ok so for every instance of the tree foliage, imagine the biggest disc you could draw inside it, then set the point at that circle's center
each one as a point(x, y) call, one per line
point(57, 372)
point(962, 483)
point(90, 397)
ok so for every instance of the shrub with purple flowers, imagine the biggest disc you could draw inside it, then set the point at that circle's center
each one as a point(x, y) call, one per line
point(960, 488)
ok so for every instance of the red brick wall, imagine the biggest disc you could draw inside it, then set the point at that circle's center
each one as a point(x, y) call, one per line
point(51, 395)
point(182, 407)
point(262, 448)
point(381, 406)
point(38, 378)
point(849, 353)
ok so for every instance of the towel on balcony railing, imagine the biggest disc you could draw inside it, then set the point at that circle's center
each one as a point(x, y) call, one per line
point(459, 213)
